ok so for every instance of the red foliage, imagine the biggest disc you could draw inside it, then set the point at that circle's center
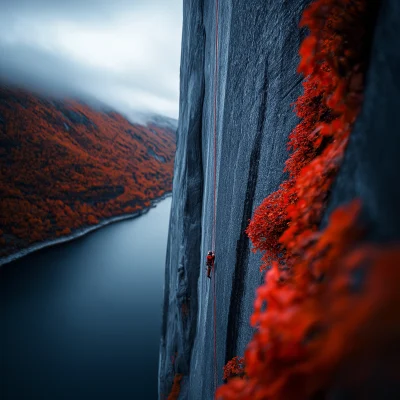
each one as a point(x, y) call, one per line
point(176, 387)
point(328, 108)
point(64, 166)
point(92, 220)
point(306, 335)
point(234, 368)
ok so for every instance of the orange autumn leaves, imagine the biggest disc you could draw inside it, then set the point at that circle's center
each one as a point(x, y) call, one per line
point(64, 166)
point(329, 300)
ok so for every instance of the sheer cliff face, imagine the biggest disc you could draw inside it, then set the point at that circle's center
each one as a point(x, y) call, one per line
point(257, 83)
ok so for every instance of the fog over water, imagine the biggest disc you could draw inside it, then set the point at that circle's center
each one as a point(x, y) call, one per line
point(82, 320)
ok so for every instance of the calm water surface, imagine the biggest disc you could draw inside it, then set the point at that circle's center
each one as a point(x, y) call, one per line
point(82, 320)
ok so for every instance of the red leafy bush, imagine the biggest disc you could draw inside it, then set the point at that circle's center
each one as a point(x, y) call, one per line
point(234, 368)
point(306, 335)
point(176, 387)
point(328, 301)
point(333, 59)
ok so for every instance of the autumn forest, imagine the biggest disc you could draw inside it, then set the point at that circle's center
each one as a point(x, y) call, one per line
point(65, 166)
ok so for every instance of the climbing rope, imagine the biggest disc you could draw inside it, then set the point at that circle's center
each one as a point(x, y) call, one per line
point(215, 193)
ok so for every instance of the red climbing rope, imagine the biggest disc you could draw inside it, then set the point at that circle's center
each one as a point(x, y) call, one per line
point(215, 126)
point(215, 191)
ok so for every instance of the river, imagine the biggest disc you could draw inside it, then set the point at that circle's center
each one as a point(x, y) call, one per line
point(82, 320)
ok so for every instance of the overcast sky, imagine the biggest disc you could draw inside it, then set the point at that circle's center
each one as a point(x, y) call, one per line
point(125, 53)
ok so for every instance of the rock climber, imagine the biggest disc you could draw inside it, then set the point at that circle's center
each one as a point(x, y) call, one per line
point(210, 263)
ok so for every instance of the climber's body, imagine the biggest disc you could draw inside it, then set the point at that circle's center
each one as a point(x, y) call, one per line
point(210, 263)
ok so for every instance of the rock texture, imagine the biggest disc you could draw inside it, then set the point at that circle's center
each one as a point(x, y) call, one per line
point(258, 42)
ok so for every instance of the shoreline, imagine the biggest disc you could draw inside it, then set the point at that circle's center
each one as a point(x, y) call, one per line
point(80, 232)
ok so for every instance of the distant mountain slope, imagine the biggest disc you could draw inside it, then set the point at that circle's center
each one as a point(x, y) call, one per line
point(64, 166)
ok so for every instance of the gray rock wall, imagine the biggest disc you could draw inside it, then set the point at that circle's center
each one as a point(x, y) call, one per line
point(372, 161)
point(257, 83)
point(258, 41)
point(183, 251)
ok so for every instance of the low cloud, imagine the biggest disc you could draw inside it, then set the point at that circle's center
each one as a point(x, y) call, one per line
point(123, 53)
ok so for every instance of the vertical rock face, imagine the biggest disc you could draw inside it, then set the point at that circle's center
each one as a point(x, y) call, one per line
point(183, 252)
point(257, 84)
point(372, 163)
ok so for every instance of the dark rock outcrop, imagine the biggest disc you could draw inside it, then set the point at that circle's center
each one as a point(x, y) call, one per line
point(258, 83)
